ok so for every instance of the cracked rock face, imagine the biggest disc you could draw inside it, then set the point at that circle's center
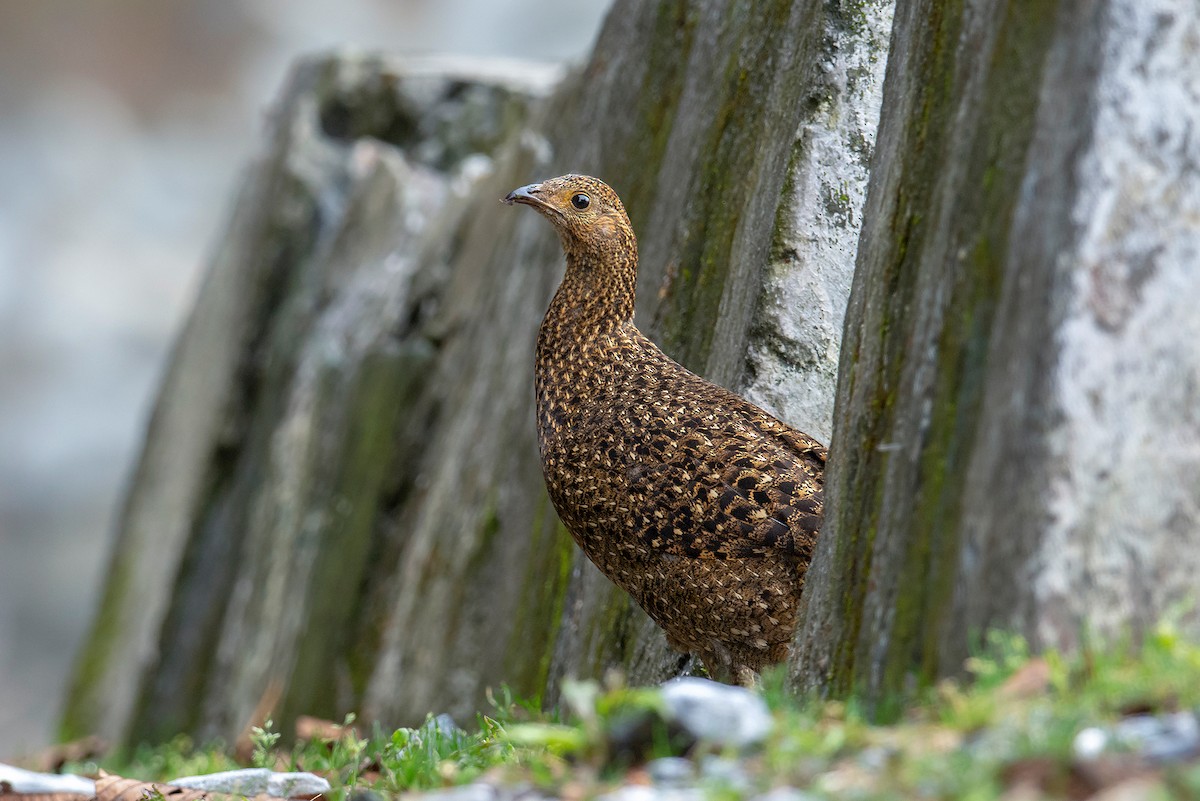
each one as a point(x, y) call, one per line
point(1016, 415)
point(796, 337)
point(1123, 538)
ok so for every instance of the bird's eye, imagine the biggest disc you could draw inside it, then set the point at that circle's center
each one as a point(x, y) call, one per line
point(581, 201)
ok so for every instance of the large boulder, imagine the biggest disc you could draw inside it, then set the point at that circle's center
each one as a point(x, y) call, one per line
point(1017, 443)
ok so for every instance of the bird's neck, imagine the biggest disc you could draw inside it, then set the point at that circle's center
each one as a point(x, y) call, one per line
point(596, 294)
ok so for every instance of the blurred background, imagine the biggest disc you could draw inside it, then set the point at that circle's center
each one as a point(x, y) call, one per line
point(124, 127)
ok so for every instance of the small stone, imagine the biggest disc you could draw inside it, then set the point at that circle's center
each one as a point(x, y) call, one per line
point(1171, 737)
point(1090, 743)
point(671, 772)
point(250, 782)
point(717, 713)
point(28, 781)
point(728, 773)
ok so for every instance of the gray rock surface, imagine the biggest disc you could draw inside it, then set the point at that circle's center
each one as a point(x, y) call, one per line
point(1162, 738)
point(293, 390)
point(718, 714)
point(671, 772)
point(1016, 443)
point(794, 343)
point(28, 781)
point(250, 782)
point(125, 129)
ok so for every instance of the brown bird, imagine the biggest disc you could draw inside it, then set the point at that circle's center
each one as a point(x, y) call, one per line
point(697, 503)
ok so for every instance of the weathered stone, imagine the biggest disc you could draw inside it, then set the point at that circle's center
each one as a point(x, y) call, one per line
point(1163, 738)
point(28, 781)
point(1016, 443)
point(718, 714)
point(797, 331)
point(671, 772)
point(250, 782)
point(283, 430)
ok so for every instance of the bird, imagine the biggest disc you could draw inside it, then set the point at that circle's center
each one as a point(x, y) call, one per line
point(697, 503)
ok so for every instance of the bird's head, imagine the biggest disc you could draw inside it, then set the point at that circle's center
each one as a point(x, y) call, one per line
point(586, 212)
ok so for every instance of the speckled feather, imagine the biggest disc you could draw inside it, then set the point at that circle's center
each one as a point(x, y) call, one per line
point(697, 503)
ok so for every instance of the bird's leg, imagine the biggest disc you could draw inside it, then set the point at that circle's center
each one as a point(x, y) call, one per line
point(748, 677)
point(718, 662)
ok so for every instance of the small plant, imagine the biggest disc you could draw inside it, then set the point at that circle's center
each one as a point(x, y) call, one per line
point(263, 740)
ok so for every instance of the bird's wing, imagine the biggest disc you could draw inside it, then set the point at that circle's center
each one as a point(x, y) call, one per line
point(720, 478)
point(741, 488)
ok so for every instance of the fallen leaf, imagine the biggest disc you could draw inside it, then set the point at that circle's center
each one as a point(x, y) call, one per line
point(118, 788)
point(310, 728)
point(1032, 679)
point(7, 794)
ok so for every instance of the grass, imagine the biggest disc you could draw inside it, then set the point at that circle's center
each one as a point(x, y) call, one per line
point(1013, 720)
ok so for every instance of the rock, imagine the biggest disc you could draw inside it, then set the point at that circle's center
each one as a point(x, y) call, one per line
point(1163, 738)
point(718, 714)
point(250, 782)
point(303, 380)
point(1090, 743)
point(671, 772)
point(1019, 375)
point(725, 773)
point(797, 332)
point(28, 781)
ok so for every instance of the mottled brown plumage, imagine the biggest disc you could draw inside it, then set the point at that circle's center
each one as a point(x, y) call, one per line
point(697, 503)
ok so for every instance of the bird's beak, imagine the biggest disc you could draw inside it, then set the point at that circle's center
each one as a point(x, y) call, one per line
point(526, 194)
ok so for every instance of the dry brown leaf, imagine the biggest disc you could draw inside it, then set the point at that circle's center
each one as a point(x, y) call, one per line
point(1032, 679)
point(310, 728)
point(117, 788)
point(639, 777)
point(7, 794)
